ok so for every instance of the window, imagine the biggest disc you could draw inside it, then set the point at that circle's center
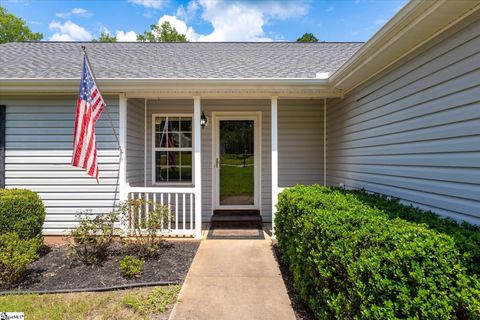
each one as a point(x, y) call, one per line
point(172, 149)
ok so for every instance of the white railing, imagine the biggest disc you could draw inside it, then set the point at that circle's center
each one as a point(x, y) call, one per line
point(180, 201)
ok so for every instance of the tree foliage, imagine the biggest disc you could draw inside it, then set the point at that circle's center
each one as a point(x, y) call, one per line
point(163, 33)
point(307, 37)
point(14, 29)
point(105, 37)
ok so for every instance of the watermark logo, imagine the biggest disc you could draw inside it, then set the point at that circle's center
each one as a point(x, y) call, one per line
point(12, 316)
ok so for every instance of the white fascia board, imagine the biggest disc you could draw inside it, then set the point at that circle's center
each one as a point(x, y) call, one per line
point(176, 87)
point(126, 84)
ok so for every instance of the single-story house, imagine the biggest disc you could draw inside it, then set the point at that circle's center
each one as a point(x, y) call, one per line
point(398, 115)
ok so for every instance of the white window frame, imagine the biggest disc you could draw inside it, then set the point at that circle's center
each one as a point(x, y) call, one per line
point(155, 149)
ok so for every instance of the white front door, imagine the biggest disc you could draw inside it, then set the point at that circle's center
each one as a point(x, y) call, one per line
point(236, 160)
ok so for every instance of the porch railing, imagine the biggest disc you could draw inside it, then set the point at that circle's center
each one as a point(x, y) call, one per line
point(181, 204)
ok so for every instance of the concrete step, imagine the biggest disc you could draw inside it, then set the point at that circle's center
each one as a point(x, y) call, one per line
point(236, 219)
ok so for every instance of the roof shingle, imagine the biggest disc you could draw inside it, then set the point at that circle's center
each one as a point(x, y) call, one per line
point(174, 60)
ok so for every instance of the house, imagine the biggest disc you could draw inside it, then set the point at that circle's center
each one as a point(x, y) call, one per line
point(398, 115)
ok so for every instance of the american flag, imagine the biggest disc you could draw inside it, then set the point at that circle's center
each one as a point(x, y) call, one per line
point(89, 108)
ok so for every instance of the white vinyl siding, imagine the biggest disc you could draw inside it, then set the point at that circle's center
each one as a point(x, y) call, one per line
point(414, 130)
point(39, 131)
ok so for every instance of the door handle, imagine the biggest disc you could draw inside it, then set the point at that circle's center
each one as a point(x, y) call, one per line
point(216, 163)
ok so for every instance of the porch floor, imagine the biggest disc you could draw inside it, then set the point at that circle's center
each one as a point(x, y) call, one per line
point(234, 279)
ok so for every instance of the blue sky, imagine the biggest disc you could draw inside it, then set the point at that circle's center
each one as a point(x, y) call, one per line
point(207, 20)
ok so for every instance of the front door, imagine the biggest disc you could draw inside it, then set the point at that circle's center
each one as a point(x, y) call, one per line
point(236, 161)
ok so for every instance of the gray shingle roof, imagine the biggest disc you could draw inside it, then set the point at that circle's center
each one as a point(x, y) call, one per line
point(174, 60)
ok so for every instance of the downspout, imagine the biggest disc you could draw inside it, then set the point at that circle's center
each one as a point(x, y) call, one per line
point(324, 141)
point(145, 146)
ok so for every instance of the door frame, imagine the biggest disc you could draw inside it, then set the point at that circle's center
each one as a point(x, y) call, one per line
point(256, 116)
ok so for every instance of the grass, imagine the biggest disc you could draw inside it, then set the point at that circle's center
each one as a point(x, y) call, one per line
point(236, 181)
point(140, 303)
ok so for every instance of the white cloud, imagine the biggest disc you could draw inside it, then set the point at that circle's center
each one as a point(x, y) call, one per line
point(189, 12)
point(80, 12)
point(244, 20)
point(68, 31)
point(180, 25)
point(155, 4)
point(330, 9)
point(129, 36)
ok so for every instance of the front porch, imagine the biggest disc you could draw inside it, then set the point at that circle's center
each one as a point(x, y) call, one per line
point(286, 147)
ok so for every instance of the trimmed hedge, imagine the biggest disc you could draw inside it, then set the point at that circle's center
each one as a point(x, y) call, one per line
point(466, 236)
point(21, 211)
point(352, 261)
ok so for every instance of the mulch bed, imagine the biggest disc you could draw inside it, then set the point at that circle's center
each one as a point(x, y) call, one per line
point(302, 312)
point(56, 270)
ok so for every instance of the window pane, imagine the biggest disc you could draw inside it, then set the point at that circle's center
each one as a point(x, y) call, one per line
point(161, 174)
point(173, 124)
point(186, 158)
point(186, 124)
point(186, 174)
point(173, 174)
point(160, 158)
point(173, 158)
point(186, 140)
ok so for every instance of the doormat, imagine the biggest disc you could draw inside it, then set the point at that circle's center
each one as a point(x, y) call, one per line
point(235, 234)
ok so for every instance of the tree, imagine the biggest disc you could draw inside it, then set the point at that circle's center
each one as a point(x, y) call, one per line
point(14, 29)
point(307, 37)
point(105, 37)
point(164, 33)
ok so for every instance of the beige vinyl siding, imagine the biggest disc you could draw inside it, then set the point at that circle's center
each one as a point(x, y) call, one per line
point(136, 142)
point(300, 142)
point(39, 131)
point(413, 131)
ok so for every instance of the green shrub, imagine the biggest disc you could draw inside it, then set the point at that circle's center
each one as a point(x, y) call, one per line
point(465, 235)
point(15, 255)
point(21, 211)
point(351, 261)
point(93, 237)
point(143, 236)
point(131, 266)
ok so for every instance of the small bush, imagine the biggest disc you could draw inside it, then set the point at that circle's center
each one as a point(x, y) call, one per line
point(351, 261)
point(144, 236)
point(93, 237)
point(131, 266)
point(15, 255)
point(21, 211)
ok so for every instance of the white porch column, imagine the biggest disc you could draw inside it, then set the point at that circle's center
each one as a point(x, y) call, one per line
point(122, 175)
point(274, 117)
point(197, 146)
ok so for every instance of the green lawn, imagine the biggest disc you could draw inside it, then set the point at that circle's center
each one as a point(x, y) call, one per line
point(236, 181)
point(143, 303)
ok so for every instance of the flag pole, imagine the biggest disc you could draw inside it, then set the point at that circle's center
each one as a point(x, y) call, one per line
point(108, 113)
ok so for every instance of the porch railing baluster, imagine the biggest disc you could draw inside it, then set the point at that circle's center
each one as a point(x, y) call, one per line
point(176, 202)
point(183, 211)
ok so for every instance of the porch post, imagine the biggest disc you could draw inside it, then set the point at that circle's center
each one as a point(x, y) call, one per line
point(274, 117)
point(122, 175)
point(198, 166)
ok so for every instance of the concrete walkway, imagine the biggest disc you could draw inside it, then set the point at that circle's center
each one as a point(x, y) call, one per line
point(234, 279)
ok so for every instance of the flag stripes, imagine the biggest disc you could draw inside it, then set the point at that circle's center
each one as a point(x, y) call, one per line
point(90, 105)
